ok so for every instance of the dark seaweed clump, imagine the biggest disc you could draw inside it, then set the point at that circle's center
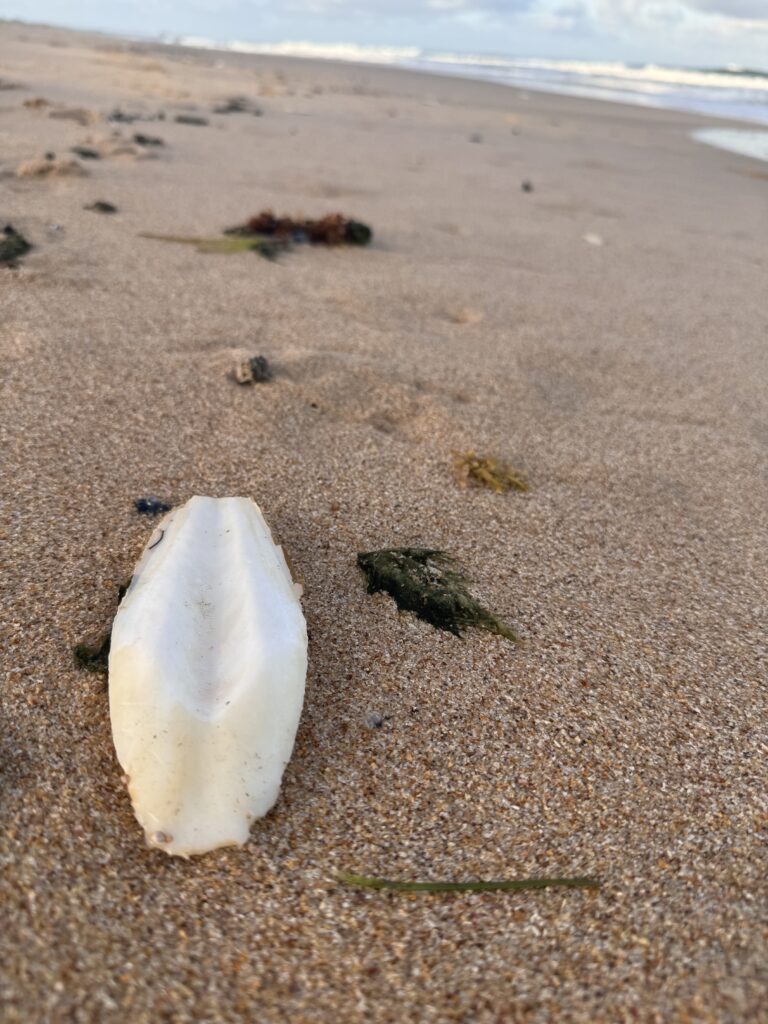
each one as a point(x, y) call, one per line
point(151, 506)
point(13, 246)
point(95, 657)
point(147, 140)
point(255, 370)
point(191, 119)
point(238, 105)
point(101, 206)
point(430, 584)
point(333, 229)
point(86, 152)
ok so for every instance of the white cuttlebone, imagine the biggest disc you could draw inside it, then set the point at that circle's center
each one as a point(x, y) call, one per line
point(206, 675)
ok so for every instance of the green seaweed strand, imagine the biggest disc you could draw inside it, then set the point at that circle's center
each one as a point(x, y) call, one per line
point(499, 885)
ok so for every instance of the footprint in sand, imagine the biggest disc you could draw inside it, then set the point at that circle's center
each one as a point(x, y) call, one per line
point(351, 391)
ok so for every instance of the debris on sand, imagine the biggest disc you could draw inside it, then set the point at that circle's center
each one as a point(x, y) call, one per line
point(333, 229)
point(86, 153)
point(78, 114)
point(191, 119)
point(118, 116)
point(430, 584)
point(49, 167)
point(269, 248)
point(465, 316)
point(592, 239)
point(5, 85)
point(487, 472)
point(151, 506)
point(93, 657)
point(255, 370)
point(527, 186)
point(147, 140)
point(238, 105)
point(36, 103)
point(13, 245)
point(101, 206)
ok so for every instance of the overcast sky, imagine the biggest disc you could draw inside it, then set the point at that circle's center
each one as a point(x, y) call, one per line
point(691, 32)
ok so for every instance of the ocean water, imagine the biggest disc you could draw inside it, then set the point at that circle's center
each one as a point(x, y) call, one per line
point(727, 92)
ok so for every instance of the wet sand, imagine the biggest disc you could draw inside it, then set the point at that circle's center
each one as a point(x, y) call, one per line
point(624, 737)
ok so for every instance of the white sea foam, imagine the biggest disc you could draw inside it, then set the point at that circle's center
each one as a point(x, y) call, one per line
point(729, 92)
point(735, 140)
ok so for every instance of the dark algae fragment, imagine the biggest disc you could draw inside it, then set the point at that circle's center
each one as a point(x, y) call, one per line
point(430, 584)
point(93, 657)
point(191, 119)
point(86, 152)
point(255, 370)
point(151, 506)
point(500, 885)
point(13, 246)
point(238, 105)
point(101, 206)
point(147, 140)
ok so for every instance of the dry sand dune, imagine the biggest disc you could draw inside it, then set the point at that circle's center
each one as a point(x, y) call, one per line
point(624, 737)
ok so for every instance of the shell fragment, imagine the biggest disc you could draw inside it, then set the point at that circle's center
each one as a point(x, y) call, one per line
point(206, 675)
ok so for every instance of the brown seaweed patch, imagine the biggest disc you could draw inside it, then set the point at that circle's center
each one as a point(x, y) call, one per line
point(333, 229)
point(487, 472)
point(430, 584)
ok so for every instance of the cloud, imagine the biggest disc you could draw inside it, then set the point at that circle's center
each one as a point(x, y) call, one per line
point(670, 11)
point(755, 10)
point(410, 8)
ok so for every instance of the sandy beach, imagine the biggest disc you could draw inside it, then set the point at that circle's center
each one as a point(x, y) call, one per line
point(604, 333)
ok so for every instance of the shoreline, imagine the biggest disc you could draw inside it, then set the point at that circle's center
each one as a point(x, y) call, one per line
point(585, 93)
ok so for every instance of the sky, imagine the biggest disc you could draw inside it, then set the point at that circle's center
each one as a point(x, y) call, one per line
point(694, 33)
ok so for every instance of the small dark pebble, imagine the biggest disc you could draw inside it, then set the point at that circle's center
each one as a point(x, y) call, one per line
point(100, 206)
point(238, 105)
point(147, 140)
point(13, 245)
point(255, 370)
point(190, 119)
point(120, 117)
point(374, 720)
point(92, 657)
point(476, 137)
point(151, 506)
point(50, 155)
point(86, 153)
point(527, 186)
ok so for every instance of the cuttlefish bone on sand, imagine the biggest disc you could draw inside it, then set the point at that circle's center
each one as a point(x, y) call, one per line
point(206, 675)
